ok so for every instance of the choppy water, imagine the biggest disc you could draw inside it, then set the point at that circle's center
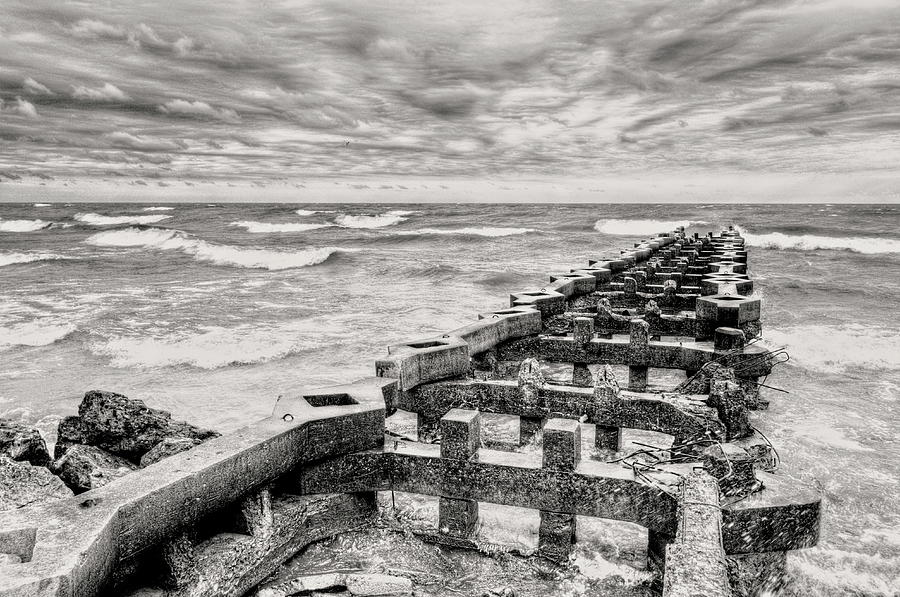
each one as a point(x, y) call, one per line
point(211, 311)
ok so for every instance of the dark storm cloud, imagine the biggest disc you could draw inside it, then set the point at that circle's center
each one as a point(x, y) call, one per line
point(461, 88)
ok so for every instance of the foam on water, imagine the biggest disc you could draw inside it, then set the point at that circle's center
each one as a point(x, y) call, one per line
point(13, 258)
point(305, 212)
point(639, 227)
point(101, 220)
point(267, 227)
point(33, 333)
point(158, 208)
point(838, 348)
point(175, 240)
point(378, 221)
point(22, 225)
point(41, 205)
point(812, 242)
point(486, 231)
point(212, 347)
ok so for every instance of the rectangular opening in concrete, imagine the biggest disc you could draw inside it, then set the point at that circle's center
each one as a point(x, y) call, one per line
point(430, 344)
point(319, 400)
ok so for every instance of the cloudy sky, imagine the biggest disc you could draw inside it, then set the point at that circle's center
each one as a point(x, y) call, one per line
point(200, 89)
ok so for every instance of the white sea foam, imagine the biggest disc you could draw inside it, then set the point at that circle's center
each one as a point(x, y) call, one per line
point(41, 205)
point(22, 225)
point(12, 258)
point(213, 347)
point(641, 227)
point(266, 227)
point(838, 348)
point(811, 242)
point(158, 208)
point(486, 231)
point(305, 212)
point(101, 220)
point(33, 333)
point(388, 219)
point(175, 240)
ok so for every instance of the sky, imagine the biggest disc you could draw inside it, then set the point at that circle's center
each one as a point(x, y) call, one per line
point(290, 90)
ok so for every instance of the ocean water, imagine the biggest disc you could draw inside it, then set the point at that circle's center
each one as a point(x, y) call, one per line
point(212, 311)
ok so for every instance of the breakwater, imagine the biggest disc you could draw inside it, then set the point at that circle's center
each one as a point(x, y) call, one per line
point(708, 500)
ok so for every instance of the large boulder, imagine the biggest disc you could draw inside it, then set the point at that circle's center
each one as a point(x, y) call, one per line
point(23, 484)
point(23, 443)
point(168, 447)
point(88, 467)
point(122, 426)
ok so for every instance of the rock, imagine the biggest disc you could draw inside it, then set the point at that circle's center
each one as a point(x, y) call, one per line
point(88, 467)
point(69, 432)
point(122, 426)
point(377, 584)
point(363, 585)
point(23, 443)
point(23, 484)
point(168, 447)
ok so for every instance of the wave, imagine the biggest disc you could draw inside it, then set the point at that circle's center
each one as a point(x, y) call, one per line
point(486, 231)
point(305, 212)
point(158, 208)
point(33, 333)
point(841, 348)
point(380, 221)
point(265, 227)
point(640, 227)
point(214, 347)
point(13, 258)
point(23, 225)
point(175, 240)
point(41, 205)
point(101, 220)
point(811, 242)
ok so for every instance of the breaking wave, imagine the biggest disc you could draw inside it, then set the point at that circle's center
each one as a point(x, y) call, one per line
point(158, 208)
point(13, 258)
point(23, 225)
point(639, 227)
point(486, 231)
point(175, 240)
point(41, 205)
point(214, 347)
point(305, 212)
point(845, 347)
point(264, 227)
point(33, 333)
point(101, 220)
point(811, 242)
point(388, 219)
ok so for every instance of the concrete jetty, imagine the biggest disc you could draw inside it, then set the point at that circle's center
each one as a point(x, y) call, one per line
point(216, 517)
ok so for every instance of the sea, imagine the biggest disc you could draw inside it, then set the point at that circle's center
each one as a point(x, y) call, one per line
point(212, 311)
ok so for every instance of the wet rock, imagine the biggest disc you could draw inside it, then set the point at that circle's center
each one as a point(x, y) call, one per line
point(122, 426)
point(168, 447)
point(23, 443)
point(69, 432)
point(23, 484)
point(363, 585)
point(88, 467)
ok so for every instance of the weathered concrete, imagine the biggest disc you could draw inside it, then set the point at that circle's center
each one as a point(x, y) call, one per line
point(168, 447)
point(354, 584)
point(425, 360)
point(23, 443)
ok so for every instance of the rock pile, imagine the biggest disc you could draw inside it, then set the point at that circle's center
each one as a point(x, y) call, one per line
point(111, 436)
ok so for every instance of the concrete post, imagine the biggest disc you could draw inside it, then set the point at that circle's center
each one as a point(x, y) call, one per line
point(562, 451)
point(608, 439)
point(460, 439)
point(638, 354)
point(531, 381)
point(256, 512)
point(179, 561)
point(583, 333)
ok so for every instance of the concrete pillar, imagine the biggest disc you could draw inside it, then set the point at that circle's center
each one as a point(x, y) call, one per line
point(581, 375)
point(728, 339)
point(562, 451)
point(630, 285)
point(460, 439)
point(179, 562)
point(608, 438)
point(528, 428)
point(583, 330)
point(638, 354)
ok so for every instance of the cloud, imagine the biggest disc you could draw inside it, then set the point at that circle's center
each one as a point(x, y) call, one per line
point(21, 107)
point(142, 143)
point(34, 88)
point(197, 108)
point(107, 93)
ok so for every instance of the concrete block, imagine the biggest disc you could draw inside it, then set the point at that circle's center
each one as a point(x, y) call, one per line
point(727, 311)
point(556, 536)
point(562, 444)
point(421, 361)
point(581, 283)
point(548, 302)
point(460, 434)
